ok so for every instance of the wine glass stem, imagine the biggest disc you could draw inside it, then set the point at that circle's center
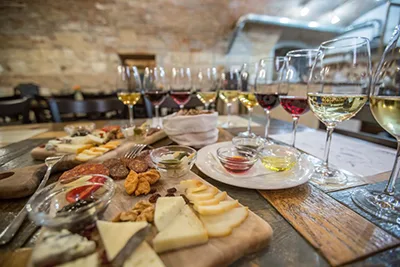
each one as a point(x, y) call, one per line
point(181, 107)
point(206, 105)
point(157, 111)
point(295, 122)
point(395, 173)
point(249, 121)
point(268, 120)
point(329, 131)
point(131, 115)
point(229, 106)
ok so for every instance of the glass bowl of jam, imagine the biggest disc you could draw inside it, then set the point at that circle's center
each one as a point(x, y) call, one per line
point(279, 158)
point(73, 204)
point(248, 142)
point(237, 160)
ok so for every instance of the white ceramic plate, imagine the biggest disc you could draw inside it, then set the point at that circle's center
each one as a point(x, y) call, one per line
point(298, 175)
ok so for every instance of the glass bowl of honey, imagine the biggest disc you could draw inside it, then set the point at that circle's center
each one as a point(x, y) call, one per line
point(278, 158)
point(248, 142)
point(237, 160)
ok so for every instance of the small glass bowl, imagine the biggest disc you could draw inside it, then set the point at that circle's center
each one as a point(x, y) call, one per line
point(248, 142)
point(163, 158)
point(80, 129)
point(237, 160)
point(279, 158)
point(44, 208)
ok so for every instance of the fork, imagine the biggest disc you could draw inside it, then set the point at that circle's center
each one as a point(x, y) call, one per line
point(137, 148)
point(13, 227)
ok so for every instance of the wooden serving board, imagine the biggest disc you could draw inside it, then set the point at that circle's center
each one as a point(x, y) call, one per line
point(252, 235)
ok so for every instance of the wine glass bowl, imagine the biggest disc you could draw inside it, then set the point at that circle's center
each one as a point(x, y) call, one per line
point(229, 88)
point(181, 86)
point(206, 86)
point(338, 88)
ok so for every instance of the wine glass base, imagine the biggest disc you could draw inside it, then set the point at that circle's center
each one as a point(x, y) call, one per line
point(379, 204)
point(325, 176)
point(247, 134)
point(227, 124)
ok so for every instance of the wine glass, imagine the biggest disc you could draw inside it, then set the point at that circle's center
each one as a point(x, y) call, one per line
point(155, 89)
point(246, 96)
point(229, 85)
point(268, 85)
point(337, 89)
point(298, 68)
point(206, 85)
point(385, 106)
point(181, 86)
point(129, 88)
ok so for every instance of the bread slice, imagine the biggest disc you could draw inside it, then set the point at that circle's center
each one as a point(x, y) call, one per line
point(221, 207)
point(223, 224)
point(184, 231)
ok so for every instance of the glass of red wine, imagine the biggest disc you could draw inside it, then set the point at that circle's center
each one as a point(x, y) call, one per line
point(180, 86)
point(298, 69)
point(155, 89)
point(268, 85)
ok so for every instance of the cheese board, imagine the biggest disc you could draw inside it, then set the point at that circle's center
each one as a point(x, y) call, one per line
point(192, 219)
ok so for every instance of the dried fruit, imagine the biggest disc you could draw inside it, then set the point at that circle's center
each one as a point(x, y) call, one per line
point(171, 190)
point(152, 191)
point(170, 195)
point(153, 198)
point(143, 187)
point(131, 182)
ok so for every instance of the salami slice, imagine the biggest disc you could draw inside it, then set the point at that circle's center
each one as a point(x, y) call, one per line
point(138, 165)
point(94, 168)
point(112, 162)
point(119, 172)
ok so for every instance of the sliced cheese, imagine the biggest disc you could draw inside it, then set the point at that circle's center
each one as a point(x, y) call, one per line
point(100, 149)
point(223, 224)
point(89, 261)
point(185, 230)
point(71, 148)
point(144, 256)
point(92, 139)
point(213, 201)
point(197, 189)
point(167, 208)
point(190, 183)
point(221, 207)
point(92, 152)
point(84, 157)
point(115, 235)
point(209, 193)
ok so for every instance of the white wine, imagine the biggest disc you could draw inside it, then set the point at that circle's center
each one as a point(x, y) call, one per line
point(228, 96)
point(129, 98)
point(249, 100)
point(207, 97)
point(386, 110)
point(334, 108)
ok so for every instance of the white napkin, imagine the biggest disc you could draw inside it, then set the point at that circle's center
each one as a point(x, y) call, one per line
point(175, 124)
point(196, 139)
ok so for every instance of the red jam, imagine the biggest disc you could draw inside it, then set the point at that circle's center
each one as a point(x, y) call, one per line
point(236, 164)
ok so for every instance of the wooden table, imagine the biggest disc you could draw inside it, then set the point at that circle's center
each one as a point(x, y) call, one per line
point(288, 247)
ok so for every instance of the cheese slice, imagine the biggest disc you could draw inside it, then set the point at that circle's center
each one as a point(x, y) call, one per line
point(144, 256)
point(197, 189)
point(71, 148)
point(223, 224)
point(100, 149)
point(190, 183)
point(167, 208)
point(213, 201)
point(91, 152)
point(89, 261)
point(84, 157)
point(115, 235)
point(209, 193)
point(221, 207)
point(184, 231)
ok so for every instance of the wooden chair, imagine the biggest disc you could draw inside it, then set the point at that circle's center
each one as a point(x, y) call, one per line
point(67, 110)
point(16, 109)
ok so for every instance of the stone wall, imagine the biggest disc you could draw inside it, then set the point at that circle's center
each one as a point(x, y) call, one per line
point(58, 44)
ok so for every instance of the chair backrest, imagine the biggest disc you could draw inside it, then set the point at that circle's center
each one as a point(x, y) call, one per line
point(26, 89)
point(16, 107)
point(66, 106)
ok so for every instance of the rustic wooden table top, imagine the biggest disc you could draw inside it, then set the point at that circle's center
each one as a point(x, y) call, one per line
point(288, 247)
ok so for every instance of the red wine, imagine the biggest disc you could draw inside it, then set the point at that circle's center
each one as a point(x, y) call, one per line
point(295, 105)
point(180, 97)
point(156, 97)
point(268, 101)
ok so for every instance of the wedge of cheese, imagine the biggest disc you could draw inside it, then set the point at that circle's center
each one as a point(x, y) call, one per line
point(184, 231)
point(167, 208)
point(213, 201)
point(223, 224)
point(221, 207)
point(72, 148)
point(209, 193)
point(144, 256)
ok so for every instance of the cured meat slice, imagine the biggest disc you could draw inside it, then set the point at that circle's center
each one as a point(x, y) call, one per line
point(93, 168)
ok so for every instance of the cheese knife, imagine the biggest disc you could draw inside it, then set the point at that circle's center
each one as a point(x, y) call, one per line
point(130, 246)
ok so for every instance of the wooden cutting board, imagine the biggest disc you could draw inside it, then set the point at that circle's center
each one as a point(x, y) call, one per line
point(252, 235)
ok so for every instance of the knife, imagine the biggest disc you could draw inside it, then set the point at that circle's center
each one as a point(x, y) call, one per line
point(130, 246)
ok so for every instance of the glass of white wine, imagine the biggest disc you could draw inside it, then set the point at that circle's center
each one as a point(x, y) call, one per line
point(206, 86)
point(229, 88)
point(247, 97)
point(385, 106)
point(129, 88)
point(338, 88)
